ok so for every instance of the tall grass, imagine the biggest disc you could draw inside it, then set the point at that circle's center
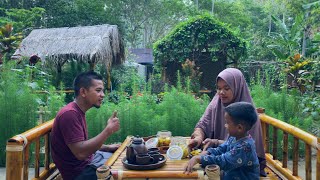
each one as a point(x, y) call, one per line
point(283, 105)
point(19, 104)
point(141, 114)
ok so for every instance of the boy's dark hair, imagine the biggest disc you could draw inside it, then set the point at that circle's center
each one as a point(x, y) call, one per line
point(243, 113)
point(83, 80)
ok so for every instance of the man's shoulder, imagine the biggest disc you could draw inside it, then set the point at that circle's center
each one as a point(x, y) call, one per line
point(68, 110)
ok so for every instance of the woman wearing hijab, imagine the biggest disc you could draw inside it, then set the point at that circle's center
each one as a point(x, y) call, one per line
point(210, 130)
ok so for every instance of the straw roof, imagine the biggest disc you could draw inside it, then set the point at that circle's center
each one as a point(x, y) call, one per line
point(93, 44)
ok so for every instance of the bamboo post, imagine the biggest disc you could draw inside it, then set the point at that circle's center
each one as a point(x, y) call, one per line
point(267, 138)
point(26, 161)
point(318, 160)
point(274, 143)
point(37, 159)
point(47, 152)
point(41, 112)
point(14, 161)
point(308, 168)
point(285, 150)
point(295, 156)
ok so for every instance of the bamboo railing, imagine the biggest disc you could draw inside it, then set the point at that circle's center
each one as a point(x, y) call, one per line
point(298, 135)
point(18, 149)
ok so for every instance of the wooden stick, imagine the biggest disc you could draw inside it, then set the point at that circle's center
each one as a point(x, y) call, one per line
point(285, 150)
point(267, 138)
point(275, 143)
point(308, 167)
point(37, 159)
point(47, 151)
point(295, 156)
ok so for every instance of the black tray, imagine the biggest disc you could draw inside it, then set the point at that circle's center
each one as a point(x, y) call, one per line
point(143, 167)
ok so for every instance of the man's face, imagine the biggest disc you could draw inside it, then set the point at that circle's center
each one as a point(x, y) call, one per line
point(94, 94)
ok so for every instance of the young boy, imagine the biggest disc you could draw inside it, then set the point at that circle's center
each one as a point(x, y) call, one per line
point(237, 155)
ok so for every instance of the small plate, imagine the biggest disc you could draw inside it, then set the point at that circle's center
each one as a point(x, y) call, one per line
point(144, 167)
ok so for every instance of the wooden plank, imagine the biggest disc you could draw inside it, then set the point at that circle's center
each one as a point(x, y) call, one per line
point(295, 156)
point(37, 158)
point(308, 167)
point(285, 150)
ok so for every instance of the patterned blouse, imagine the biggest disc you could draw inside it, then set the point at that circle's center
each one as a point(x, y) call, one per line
point(237, 158)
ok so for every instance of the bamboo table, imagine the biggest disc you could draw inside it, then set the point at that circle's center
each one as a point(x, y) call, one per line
point(173, 169)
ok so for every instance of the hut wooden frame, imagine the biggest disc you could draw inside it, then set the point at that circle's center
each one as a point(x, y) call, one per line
point(18, 148)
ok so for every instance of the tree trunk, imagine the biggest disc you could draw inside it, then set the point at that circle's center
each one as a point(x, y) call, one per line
point(270, 24)
point(212, 7)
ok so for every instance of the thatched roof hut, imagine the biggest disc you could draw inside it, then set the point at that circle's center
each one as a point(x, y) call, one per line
point(92, 44)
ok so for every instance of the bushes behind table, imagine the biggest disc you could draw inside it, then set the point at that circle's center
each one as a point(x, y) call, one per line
point(142, 114)
point(19, 103)
point(284, 105)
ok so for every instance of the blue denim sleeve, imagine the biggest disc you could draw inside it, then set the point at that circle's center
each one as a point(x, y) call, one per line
point(232, 159)
point(218, 150)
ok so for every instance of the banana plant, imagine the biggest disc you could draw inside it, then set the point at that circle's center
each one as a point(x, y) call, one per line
point(296, 70)
point(8, 40)
point(287, 41)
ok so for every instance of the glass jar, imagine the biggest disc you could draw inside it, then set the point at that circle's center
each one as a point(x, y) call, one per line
point(164, 138)
point(181, 142)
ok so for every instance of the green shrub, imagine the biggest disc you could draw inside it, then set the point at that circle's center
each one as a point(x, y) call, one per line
point(143, 115)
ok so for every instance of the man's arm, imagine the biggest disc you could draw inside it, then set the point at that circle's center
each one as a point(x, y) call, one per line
point(110, 147)
point(83, 149)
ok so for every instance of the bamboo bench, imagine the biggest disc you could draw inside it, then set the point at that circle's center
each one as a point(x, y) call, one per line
point(18, 149)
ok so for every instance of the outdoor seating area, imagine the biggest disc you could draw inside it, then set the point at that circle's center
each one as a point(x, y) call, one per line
point(160, 89)
point(19, 147)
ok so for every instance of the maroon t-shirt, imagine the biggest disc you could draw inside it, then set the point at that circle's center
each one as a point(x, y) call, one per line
point(69, 127)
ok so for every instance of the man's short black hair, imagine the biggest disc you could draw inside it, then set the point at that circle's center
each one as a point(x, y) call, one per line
point(243, 113)
point(83, 80)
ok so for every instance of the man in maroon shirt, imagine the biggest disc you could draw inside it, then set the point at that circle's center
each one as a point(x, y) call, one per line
point(76, 156)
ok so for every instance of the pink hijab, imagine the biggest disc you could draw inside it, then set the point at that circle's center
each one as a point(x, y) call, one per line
point(212, 121)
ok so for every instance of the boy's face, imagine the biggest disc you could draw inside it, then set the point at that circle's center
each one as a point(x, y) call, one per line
point(232, 128)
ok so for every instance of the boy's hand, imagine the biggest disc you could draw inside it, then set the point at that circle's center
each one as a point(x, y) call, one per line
point(193, 161)
point(210, 143)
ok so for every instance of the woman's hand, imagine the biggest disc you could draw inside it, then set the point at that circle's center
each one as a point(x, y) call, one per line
point(210, 143)
point(194, 143)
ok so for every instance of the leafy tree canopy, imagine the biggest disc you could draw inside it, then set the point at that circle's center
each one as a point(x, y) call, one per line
point(197, 38)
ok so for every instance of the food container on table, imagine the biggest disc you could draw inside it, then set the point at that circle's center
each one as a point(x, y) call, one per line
point(175, 152)
point(164, 138)
point(182, 142)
